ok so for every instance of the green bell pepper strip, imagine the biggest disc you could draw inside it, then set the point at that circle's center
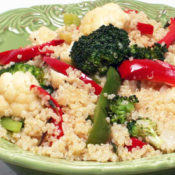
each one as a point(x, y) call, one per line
point(11, 125)
point(100, 132)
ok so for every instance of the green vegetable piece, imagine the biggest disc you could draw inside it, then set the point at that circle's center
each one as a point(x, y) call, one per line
point(120, 107)
point(157, 51)
point(48, 88)
point(37, 72)
point(114, 147)
point(105, 47)
point(11, 125)
point(133, 129)
point(100, 132)
point(147, 129)
point(71, 19)
point(167, 24)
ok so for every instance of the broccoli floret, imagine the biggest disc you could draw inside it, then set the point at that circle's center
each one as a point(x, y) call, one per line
point(132, 128)
point(155, 52)
point(120, 107)
point(146, 129)
point(109, 46)
point(35, 71)
point(106, 46)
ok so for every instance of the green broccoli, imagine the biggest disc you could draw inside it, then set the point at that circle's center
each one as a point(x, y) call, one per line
point(146, 129)
point(106, 46)
point(155, 52)
point(120, 107)
point(109, 46)
point(35, 71)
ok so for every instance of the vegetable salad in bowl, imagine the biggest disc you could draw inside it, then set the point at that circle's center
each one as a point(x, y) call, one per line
point(100, 88)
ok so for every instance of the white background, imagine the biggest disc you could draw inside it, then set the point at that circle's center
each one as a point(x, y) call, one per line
point(12, 4)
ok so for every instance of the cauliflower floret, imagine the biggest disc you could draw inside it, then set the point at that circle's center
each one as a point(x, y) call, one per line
point(42, 35)
point(15, 94)
point(4, 106)
point(57, 79)
point(168, 137)
point(108, 14)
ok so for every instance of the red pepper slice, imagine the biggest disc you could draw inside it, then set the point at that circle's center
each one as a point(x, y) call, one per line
point(25, 54)
point(61, 67)
point(54, 106)
point(145, 28)
point(130, 11)
point(169, 38)
point(172, 20)
point(144, 69)
point(135, 143)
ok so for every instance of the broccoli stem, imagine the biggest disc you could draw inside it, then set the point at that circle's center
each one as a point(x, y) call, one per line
point(100, 132)
point(155, 140)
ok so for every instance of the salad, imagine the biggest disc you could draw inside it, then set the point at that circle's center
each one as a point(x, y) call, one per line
point(100, 88)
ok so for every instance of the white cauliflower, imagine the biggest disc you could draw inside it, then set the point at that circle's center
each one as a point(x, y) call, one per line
point(168, 137)
point(57, 78)
point(42, 35)
point(108, 14)
point(15, 95)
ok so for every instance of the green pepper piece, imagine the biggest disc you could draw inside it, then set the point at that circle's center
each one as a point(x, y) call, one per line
point(11, 125)
point(100, 132)
point(71, 19)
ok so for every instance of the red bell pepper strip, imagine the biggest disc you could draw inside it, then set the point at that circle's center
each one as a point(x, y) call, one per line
point(130, 11)
point(135, 143)
point(61, 67)
point(145, 28)
point(25, 54)
point(144, 69)
point(169, 38)
point(54, 106)
point(172, 20)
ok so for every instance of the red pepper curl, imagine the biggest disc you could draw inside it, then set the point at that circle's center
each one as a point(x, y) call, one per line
point(61, 67)
point(25, 54)
point(144, 69)
point(169, 38)
point(55, 107)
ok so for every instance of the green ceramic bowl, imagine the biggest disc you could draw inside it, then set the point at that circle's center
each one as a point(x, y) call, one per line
point(15, 26)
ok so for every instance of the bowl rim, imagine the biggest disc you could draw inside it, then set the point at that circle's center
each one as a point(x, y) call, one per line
point(16, 156)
